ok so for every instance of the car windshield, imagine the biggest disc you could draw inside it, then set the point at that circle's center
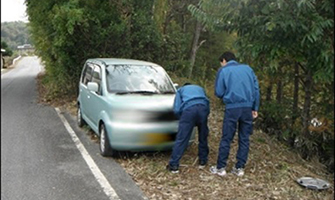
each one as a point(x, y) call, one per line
point(141, 79)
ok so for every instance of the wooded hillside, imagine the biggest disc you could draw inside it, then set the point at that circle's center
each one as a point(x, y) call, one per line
point(15, 34)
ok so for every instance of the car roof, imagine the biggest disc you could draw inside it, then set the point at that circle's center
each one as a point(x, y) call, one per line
point(120, 61)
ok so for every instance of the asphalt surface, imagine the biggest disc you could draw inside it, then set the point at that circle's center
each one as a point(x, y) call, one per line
point(39, 158)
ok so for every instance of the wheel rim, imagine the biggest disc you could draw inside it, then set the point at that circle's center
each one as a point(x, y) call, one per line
point(102, 139)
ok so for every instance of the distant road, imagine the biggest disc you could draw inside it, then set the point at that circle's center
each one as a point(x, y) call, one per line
point(39, 158)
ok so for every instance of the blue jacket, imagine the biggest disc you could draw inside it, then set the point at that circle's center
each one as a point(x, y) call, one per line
point(236, 84)
point(188, 96)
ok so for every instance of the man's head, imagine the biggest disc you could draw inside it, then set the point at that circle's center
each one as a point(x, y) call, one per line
point(226, 57)
point(187, 84)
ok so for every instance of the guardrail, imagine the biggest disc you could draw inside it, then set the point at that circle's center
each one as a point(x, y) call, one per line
point(16, 59)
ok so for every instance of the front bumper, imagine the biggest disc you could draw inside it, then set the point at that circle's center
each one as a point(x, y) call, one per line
point(145, 136)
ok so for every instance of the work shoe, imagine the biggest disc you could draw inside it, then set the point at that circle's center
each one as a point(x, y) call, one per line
point(220, 172)
point(172, 169)
point(238, 171)
point(202, 164)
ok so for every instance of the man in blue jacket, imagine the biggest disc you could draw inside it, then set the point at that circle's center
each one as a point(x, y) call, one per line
point(191, 105)
point(236, 84)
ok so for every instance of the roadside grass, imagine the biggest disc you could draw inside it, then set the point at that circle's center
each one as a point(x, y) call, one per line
point(270, 173)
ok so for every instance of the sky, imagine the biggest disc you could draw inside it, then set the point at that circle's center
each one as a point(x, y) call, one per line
point(13, 10)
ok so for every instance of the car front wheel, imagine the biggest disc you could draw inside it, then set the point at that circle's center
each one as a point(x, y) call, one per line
point(105, 148)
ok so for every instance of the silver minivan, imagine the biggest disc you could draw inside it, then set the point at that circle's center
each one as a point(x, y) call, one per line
point(128, 104)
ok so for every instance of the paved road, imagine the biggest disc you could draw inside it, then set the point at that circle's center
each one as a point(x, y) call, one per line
point(40, 159)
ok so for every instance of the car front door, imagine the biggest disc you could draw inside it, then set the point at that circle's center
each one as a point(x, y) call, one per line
point(95, 99)
point(84, 93)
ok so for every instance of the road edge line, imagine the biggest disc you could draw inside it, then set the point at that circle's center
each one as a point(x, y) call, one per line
point(102, 180)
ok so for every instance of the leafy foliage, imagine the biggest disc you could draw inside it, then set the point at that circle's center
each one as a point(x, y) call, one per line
point(77, 30)
point(8, 51)
point(66, 33)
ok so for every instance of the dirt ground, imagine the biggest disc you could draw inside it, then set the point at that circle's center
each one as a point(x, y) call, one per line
point(270, 173)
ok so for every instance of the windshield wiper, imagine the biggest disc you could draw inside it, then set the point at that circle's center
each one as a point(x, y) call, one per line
point(137, 92)
point(168, 92)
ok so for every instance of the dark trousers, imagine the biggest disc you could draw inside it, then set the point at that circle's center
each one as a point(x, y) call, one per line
point(195, 115)
point(232, 117)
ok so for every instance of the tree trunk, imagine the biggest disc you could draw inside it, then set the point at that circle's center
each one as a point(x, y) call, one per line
point(269, 91)
point(295, 92)
point(166, 23)
point(194, 49)
point(279, 94)
point(279, 91)
point(295, 112)
point(308, 84)
point(183, 23)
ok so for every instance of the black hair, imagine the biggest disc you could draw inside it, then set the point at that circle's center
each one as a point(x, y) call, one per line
point(228, 56)
point(187, 84)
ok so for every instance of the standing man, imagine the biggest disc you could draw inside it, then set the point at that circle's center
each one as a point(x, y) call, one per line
point(191, 105)
point(236, 84)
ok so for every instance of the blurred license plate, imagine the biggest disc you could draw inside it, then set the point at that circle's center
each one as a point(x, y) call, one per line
point(158, 138)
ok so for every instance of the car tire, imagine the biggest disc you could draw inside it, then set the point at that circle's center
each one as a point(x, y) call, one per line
point(80, 121)
point(105, 147)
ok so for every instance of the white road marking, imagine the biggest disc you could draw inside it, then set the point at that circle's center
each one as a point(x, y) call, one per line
point(110, 192)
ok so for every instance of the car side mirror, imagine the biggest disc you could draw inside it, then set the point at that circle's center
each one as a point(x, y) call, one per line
point(93, 86)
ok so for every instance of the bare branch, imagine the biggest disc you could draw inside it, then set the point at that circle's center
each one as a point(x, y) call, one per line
point(200, 44)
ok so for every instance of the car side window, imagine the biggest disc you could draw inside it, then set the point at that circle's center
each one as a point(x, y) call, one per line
point(96, 76)
point(87, 75)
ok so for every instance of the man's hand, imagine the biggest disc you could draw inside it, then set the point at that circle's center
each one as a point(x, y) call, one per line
point(254, 114)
